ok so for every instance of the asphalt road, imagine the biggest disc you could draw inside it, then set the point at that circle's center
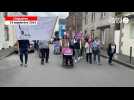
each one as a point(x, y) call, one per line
point(54, 75)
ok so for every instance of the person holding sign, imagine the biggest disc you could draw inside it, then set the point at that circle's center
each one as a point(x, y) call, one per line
point(23, 45)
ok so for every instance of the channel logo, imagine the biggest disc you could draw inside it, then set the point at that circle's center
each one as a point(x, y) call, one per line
point(119, 20)
point(21, 20)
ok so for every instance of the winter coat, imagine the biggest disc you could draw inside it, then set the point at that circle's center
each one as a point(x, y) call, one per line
point(43, 44)
point(24, 44)
point(109, 50)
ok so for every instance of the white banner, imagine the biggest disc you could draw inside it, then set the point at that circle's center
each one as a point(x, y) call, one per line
point(42, 31)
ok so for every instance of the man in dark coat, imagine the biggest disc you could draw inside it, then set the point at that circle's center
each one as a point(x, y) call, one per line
point(111, 51)
point(24, 45)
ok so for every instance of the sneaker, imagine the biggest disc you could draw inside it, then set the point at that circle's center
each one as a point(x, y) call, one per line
point(42, 63)
point(25, 65)
point(21, 64)
point(46, 61)
point(75, 61)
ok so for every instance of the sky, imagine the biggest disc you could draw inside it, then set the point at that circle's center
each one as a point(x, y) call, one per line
point(47, 14)
point(50, 14)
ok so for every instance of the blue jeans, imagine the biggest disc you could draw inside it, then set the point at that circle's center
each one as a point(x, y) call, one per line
point(110, 58)
point(96, 56)
point(25, 53)
point(77, 53)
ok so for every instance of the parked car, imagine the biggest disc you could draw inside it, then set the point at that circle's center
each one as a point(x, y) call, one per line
point(31, 48)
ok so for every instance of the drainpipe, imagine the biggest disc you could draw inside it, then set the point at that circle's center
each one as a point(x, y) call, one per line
point(130, 54)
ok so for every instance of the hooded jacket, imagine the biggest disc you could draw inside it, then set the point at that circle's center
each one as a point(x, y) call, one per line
point(43, 44)
point(109, 50)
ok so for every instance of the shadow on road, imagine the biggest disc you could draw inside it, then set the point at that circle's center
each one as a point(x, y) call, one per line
point(68, 67)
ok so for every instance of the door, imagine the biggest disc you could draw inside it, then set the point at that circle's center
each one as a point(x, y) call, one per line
point(117, 40)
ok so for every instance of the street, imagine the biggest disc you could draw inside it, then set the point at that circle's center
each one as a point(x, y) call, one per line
point(53, 74)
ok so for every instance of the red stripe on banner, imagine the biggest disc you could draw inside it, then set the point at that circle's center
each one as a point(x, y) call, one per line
point(32, 17)
point(17, 18)
point(7, 18)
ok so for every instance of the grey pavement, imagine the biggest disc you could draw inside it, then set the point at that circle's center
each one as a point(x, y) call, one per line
point(53, 74)
point(121, 59)
point(6, 52)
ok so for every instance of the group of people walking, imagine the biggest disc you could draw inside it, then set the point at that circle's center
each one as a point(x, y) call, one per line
point(85, 47)
point(42, 46)
point(93, 49)
point(88, 48)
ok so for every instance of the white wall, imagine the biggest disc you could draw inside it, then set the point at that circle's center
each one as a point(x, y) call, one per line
point(12, 33)
point(127, 41)
point(2, 41)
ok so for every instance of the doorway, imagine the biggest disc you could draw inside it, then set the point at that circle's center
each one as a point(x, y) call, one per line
point(117, 40)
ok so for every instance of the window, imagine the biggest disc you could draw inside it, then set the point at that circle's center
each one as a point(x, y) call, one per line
point(6, 28)
point(85, 19)
point(132, 31)
point(5, 14)
point(103, 36)
point(86, 13)
point(103, 14)
point(117, 26)
point(93, 17)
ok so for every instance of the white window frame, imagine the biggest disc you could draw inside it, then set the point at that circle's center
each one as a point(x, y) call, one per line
point(103, 14)
point(86, 18)
point(6, 28)
point(103, 36)
point(93, 16)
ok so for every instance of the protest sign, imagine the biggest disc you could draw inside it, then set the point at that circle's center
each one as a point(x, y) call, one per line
point(43, 30)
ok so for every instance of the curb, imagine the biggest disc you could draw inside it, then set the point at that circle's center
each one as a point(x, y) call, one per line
point(120, 62)
point(11, 51)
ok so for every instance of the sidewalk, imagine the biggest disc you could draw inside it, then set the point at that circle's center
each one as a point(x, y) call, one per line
point(121, 59)
point(6, 52)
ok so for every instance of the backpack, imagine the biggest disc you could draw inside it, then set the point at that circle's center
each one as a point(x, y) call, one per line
point(95, 46)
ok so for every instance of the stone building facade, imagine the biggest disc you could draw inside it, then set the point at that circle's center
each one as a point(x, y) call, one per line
point(7, 32)
point(74, 22)
point(98, 23)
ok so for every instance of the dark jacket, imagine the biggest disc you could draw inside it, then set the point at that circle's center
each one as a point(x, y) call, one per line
point(109, 50)
point(24, 44)
point(77, 45)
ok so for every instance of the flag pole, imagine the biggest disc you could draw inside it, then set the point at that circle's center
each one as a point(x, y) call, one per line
point(54, 26)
